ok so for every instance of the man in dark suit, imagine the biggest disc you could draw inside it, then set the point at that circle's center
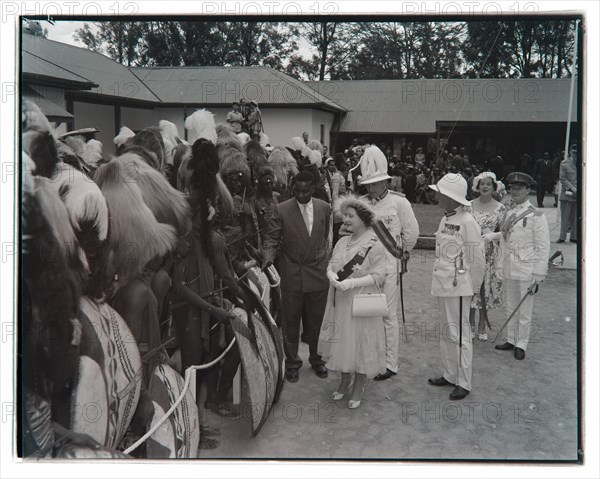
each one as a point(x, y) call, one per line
point(298, 235)
point(542, 172)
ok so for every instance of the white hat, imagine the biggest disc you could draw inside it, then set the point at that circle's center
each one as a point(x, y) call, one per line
point(373, 166)
point(453, 186)
point(487, 174)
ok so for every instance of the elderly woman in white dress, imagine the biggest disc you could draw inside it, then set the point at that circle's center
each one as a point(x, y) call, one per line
point(354, 345)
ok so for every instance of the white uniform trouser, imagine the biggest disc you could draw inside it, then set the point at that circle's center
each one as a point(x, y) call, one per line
point(449, 344)
point(390, 322)
point(518, 330)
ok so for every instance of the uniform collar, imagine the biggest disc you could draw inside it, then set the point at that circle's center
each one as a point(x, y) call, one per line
point(522, 206)
point(451, 213)
point(380, 197)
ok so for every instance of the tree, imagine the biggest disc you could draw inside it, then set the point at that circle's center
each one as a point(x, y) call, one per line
point(334, 43)
point(256, 43)
point(523, 49)
point(181, 43)
point(120, 40)
point(34, 28)
point(554, 44)
point(397, 50)
point(86, 36)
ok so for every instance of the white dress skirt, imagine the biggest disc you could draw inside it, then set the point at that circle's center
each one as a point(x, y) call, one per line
point(354, 344)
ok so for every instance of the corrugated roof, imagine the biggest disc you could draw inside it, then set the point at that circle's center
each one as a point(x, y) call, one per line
point(112, 78)
point(40, 69)
point(414, 106)
point(223, 85)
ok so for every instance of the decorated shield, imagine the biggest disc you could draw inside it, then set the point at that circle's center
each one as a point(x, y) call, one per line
point(108, 384)
point(179, 435)
point(260, 366)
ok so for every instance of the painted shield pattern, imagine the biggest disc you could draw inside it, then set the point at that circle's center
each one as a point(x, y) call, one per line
point(107, 388)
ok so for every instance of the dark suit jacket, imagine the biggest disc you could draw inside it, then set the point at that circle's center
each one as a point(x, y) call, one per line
point(302, 260)
point(542, 172)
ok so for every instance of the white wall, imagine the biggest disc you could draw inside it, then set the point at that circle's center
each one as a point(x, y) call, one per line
point(322, 118)
point(282, 124)
point(92, 115)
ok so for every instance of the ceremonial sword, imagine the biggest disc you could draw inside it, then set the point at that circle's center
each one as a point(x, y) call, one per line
point(530, 292)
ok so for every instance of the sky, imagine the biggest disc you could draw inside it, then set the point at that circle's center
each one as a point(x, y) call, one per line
point(62, 31)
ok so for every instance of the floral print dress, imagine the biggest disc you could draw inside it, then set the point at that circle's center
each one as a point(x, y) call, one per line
point(492, 279)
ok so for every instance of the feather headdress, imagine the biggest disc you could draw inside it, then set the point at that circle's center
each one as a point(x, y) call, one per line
point(94, 152)
point(234, 161)
point(27, 172)
point(125, 134)
point(168, 130)
point(244, 137)
point(57, 215)
point(184, 173)
point(169, 133)
point(38, 139)
point(256, 154)
point(263, 139)
point(135, 236)
point(284, 165)
point(84, 201)
point(77, 145)
point(227, 138)
point(201, 124)
point(298, 143)
point(315, 146)
point(166, 203)
point(151, 144)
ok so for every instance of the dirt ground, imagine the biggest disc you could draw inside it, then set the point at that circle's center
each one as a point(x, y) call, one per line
point(521, 410)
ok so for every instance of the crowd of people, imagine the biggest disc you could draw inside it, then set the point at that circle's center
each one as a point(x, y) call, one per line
point(338, 232)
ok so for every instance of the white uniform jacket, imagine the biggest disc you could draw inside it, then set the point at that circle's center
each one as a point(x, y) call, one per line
point(458, 247)
point(526, 249)
point(398, 216)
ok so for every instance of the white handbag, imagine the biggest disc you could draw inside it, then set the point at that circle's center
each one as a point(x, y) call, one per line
point(369, 305)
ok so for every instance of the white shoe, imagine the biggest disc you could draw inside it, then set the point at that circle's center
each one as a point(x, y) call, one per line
point(483, 337)
point(353, 403)
point(336, 396)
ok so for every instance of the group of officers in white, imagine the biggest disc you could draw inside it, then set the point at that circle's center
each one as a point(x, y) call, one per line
point(459, 265)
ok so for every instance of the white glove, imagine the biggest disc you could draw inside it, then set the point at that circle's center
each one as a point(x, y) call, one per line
point(350, 283)
point(539, 278)
point(488, 237)
point(332, 277)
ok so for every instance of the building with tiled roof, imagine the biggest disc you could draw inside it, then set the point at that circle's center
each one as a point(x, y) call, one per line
point(79, 88)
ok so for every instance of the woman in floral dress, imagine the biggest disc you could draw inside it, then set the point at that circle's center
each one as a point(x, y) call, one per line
point(350, 344)
point(487, 212)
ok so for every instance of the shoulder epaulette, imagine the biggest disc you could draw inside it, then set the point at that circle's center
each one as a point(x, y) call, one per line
point(535, 211)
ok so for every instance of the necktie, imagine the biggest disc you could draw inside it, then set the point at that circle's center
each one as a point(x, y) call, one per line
point(305, 216)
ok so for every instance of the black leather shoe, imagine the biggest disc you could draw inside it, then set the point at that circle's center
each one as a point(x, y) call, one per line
point(320, 371)
point(560, 241)
point(382, 377)
point(458, 393)
point(519, 354)
point(505, 347)
point(441, 381)
point(292, 375)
